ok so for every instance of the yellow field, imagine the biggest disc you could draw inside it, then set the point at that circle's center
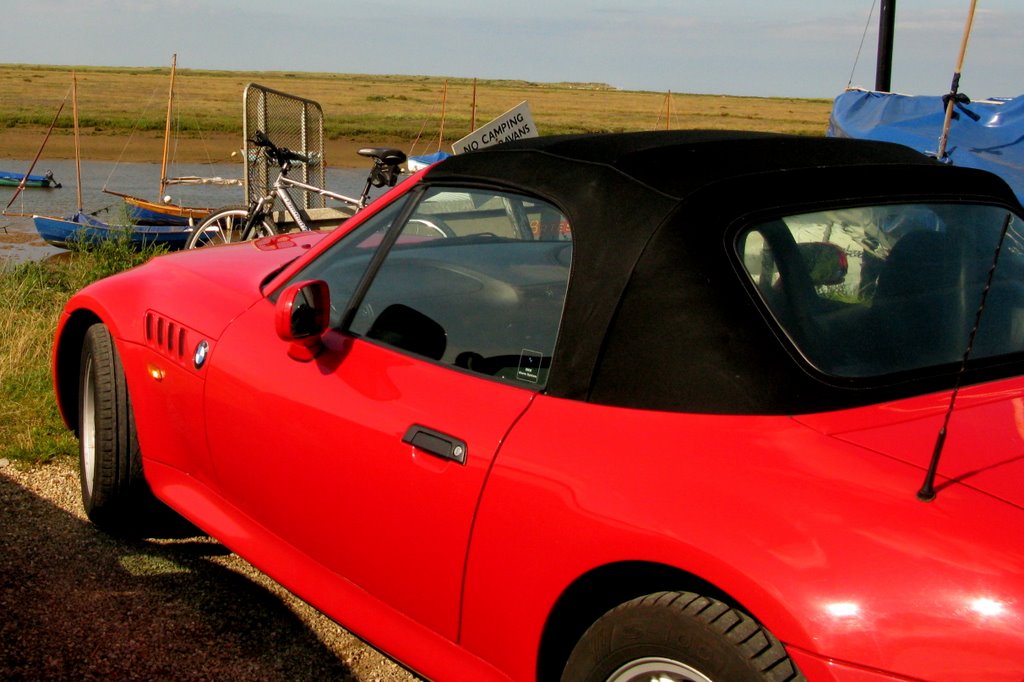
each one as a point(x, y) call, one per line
point(118, 102)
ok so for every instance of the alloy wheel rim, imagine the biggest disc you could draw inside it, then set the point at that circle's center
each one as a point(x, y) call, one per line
point(657, 669)
point(88, 427)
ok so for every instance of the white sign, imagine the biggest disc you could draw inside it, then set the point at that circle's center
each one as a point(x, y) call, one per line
point(514, 124)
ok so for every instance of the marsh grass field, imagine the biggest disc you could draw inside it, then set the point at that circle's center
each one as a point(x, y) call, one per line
point(122, 110)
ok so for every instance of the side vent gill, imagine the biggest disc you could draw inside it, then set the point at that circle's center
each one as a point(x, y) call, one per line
point(167, 337)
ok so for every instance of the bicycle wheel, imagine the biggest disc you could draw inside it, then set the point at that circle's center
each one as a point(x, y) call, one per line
point(224, 226)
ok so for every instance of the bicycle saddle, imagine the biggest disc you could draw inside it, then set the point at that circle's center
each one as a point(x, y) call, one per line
point(386, 155)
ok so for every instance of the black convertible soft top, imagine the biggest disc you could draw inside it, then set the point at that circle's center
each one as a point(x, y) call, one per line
point(677, 163)
point(658, 314)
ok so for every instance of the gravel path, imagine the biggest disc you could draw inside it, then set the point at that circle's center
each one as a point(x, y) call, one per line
point(76, 604)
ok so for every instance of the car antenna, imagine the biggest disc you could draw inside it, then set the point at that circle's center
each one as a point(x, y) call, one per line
point(927, 491)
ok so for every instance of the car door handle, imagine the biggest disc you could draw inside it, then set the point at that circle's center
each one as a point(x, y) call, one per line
point(436, 443)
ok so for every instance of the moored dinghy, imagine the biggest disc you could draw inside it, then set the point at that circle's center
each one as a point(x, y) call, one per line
point(46, 181)
point(83, 228)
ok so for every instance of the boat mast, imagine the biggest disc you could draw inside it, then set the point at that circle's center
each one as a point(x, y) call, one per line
point(472, 110)
point(167, 129)
point(78, 148)
point(886, 31)
point(954, 88)
point(444, 102)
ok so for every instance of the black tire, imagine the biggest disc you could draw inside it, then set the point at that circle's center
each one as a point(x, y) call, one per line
point(115, 494)
point(678, 636)
point(224, 226)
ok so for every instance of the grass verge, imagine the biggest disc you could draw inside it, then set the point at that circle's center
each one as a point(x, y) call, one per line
point(31, 430)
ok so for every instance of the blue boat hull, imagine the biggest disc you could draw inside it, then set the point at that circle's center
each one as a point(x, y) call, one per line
point(82, 228)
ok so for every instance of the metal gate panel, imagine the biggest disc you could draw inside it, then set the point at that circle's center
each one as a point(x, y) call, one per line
point(290, 122)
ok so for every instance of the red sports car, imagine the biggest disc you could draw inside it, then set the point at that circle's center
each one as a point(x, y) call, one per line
point(656, 406)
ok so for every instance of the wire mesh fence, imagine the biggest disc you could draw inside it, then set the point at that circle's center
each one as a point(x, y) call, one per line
point(290, 122)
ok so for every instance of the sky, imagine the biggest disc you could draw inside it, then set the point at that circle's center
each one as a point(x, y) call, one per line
point(784, 48)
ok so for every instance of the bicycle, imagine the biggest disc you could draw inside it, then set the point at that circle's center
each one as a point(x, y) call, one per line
point(240, 223)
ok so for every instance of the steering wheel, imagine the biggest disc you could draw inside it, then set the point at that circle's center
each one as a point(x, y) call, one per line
point(798, 289)
point(440, 227)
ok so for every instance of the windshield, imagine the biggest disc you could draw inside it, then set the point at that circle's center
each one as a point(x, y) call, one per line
point(876, 290)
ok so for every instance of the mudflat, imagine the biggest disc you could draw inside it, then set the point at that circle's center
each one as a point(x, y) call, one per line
point(146, 147)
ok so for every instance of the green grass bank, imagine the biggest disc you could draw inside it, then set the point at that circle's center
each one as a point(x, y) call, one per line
point(31, 430)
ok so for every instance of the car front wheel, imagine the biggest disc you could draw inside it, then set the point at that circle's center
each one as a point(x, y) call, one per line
point(114, 493)
point(678, 637)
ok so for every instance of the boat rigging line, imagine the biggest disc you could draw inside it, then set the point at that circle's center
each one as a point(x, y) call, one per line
point(863, 36)
point(131, 137)
point(39, 153)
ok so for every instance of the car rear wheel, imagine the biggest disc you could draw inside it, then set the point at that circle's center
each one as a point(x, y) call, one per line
point(114, 492)
point(678, 637)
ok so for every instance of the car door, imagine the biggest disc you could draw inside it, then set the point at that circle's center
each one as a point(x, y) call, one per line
point(371, 458)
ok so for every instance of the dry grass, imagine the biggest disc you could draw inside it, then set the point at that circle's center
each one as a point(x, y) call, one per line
point(376, 108)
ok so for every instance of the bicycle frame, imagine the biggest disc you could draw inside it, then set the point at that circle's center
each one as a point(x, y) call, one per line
point(280, 190)
point(259, 213)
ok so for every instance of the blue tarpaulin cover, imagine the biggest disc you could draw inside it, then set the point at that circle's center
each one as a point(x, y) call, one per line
point(994, 142)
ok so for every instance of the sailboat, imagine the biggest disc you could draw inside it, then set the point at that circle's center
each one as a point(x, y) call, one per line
point(84, 228)
point(163, 212)
point(986, 134)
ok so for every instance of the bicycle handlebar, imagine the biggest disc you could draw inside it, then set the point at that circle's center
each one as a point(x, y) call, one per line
point(279, 154)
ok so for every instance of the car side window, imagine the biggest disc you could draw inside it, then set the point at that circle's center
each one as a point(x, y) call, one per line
point(476, 280)
point(345, 263)
point(876, 290)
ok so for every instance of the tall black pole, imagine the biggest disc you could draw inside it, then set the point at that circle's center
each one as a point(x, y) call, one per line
point(886, 31)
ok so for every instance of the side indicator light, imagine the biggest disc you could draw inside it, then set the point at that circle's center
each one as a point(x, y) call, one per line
point(155, 372)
